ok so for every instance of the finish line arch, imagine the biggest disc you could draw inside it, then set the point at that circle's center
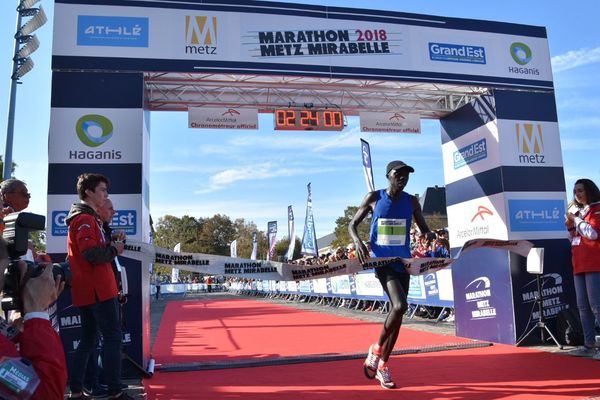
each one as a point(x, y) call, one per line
point(489, 84)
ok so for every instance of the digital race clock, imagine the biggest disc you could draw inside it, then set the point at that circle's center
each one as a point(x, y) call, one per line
point(293, 119)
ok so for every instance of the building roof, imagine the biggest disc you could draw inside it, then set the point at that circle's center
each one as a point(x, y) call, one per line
point(433, 201)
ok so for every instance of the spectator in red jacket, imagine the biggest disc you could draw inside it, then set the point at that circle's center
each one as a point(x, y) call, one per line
point(583, 226)
point(39, 343)
point(93, 285)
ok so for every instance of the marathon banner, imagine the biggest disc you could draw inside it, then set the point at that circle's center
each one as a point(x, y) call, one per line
point(271, 270)
point(271, 238)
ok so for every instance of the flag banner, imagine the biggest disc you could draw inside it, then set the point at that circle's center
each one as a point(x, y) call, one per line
point(175, 271)
point(272, 270)
point(309, 237)
point(271, 236)
point(367, 166)
point(233, 249)
point(291, 235)
point(254, 246)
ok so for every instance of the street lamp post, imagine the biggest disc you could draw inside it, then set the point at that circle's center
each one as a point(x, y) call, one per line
point(25, 45)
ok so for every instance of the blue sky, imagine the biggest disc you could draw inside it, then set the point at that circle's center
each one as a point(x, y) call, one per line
point(255, 175)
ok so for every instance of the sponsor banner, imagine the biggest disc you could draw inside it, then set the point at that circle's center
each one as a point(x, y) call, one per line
point(367, 166)
point(96, 30)
point(340, 285)
point(222, 118)
point(233, 249)
point(536, 215)
point(126, 218)
point(367, 284)
point(271, 238)
point(530, 143)
point(471, 153)
point(262, 40)
point(392, 122)
point(309, 237)
point(479, 218)
point(254, 246)
point(291, 234)
point(95, 136)
point(272, 270)
point(320, 285)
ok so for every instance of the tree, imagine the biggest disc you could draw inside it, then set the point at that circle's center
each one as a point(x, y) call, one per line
point(12, 169)
point(243, 235)
point(282, 246)
point(216, 234)
point(342, 236)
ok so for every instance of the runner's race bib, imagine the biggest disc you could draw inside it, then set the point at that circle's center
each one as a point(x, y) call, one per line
point(391, 232)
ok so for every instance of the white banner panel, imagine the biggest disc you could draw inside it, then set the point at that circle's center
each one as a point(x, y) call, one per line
point(320, 285)
point(95, 135)
point(478, 218)
point(127, 218)
point(394, 122)
point(444, 282)
point(232, 37)
point(530, 143)
point(340, 284)
point(536, 215)
point(471, 153)
point(368, 285)
point(222, 118)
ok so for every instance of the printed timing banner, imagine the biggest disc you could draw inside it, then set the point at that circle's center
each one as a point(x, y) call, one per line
point(272, 270)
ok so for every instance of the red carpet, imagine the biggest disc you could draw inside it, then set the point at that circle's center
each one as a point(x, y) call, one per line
point(245, 329)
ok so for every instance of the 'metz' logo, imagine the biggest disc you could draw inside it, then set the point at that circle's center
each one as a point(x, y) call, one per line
point(530, 141)
point(200, 34)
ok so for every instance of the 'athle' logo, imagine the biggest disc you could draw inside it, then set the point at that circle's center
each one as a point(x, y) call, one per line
point(530, 142)
point(94, 130)
point(200, 34)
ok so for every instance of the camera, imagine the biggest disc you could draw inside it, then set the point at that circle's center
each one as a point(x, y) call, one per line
point(15, 244)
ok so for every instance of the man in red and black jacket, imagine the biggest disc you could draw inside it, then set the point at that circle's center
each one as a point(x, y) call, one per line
point(93, 286)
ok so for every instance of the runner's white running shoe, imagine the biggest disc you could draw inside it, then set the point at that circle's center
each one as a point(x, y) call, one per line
point(371, 363)
point(384, 377)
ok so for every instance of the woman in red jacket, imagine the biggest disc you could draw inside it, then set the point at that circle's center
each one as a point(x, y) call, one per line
point(584, 227)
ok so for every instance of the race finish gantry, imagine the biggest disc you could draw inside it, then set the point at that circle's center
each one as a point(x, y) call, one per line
point(489, 84)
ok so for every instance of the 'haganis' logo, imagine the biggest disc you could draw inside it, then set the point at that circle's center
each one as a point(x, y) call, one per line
point(521, 53)
point(481, 211)
point(530, 142)
point(94, 130)
point(200, 34)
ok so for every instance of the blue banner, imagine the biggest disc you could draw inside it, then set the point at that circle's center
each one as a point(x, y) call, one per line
point(254, 246)
point(271, 236)
point(291, 234)
point(309, 237)
point(367, 167)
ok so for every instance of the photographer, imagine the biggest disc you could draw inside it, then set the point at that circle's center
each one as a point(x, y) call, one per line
point(38, 342)
point(15, 198)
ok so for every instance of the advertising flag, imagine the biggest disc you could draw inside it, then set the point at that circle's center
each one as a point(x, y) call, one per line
point(309, 237)
point(233, 249)
point(367, 167)
point(291, 234)
point(175, 271)
point(271, 235)
point(254, 246)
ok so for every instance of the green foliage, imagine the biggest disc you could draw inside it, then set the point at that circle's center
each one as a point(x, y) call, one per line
point(281, 249)
point(39, 240)
point(342, 237)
